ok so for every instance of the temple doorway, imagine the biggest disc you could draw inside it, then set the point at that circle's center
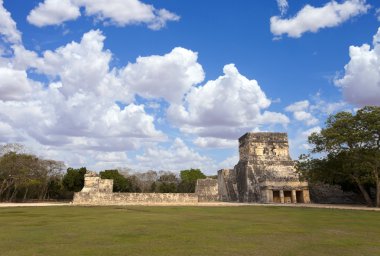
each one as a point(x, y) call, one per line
point(287, 197)
point(299, 196)
point(276, 197)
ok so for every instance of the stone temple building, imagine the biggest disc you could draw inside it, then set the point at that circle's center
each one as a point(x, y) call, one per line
point(265, 172)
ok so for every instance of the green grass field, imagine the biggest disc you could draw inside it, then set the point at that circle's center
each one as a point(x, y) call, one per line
point(188, 231)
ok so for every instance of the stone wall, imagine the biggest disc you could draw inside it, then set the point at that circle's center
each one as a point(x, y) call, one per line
point(84, 198)
point(333, 194)
point(97, 191)
point(207, 190)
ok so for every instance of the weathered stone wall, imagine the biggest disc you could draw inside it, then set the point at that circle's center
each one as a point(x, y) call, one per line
point(93, 183)
point(264, 146)
point(207, 190)
point(227, 186)
point(83, 198)
point(333, 194)
point(97, 191)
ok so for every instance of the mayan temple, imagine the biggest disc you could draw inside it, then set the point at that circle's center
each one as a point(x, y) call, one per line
point(265, 172)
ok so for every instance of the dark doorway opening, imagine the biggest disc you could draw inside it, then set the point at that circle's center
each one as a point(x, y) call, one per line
point(299, 195)
point(288, 197)
point(276, 197)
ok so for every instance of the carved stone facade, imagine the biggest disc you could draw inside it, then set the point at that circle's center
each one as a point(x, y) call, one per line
point(265, 172)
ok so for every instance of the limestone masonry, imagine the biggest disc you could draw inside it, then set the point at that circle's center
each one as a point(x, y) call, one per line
point(264, 174)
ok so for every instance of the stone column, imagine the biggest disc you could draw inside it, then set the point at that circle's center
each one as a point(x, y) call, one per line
point(282, 198)
point(294, 197)
point(306, 196)
point(270, 196)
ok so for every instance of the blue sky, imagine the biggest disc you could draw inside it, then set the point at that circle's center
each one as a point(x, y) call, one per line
point(168, 85)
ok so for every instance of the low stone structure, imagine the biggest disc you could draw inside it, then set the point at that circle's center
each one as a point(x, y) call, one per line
point(207, 190)
point(97, 191)
point(264, 174)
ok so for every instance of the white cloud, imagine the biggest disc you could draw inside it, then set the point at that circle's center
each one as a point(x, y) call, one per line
point(177, 157)
point(8, 29)
point(301, 112)
point(283, 6)
point(361, 81)
point(306, 117)
point(224, 108)
point(299, 143)
point(312, 19)
point(215, 143)
point(308, 132)
point(168, 77)
point(8, 134)
point(52, 12)
point(81, 67)
point(14, 84)
point(116, 12)
point(162, 16)
point(229, 162)
point(78, 109)
point(298, 106)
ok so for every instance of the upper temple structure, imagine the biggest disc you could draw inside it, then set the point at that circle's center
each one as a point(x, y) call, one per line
point(265, 172)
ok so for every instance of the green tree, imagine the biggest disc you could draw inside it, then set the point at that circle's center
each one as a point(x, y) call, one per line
point(167, 182)
point(24, 176)
point(17, 172)
point(189, 180)
point(352, 147)
point(73, 180)
point(120, 183)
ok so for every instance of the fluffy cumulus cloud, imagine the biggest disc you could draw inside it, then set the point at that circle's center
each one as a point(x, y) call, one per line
point(83, 67)
point(178, 156)
point(85, 112)
point(224, 108)
point(77, 108)
point(168, 77)
point(8, 30)
point(116, 12)
point(53, 12)
point(312, 19)
point(361, 81)
point(74, 116)
point(14, 84)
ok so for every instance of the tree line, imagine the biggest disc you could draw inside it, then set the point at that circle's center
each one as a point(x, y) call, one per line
point(125, 180)
point(347, 152)
point(25, 177)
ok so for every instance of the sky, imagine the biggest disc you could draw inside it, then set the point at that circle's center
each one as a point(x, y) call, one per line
point(172, 85)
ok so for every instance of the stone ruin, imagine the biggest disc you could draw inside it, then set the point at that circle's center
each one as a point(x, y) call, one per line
point(264, 174)
point(98, 191)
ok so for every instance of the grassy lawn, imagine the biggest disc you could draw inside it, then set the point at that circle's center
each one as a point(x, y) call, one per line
point(188, 231)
